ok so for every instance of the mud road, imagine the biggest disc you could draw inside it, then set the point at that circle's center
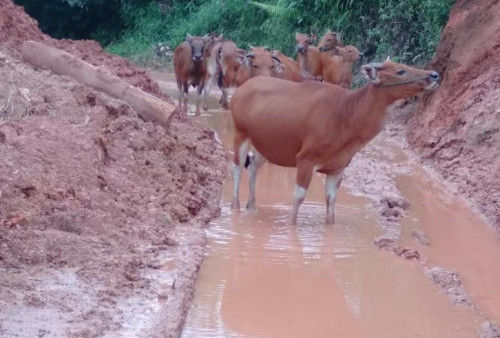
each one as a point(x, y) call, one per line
point(264, 278)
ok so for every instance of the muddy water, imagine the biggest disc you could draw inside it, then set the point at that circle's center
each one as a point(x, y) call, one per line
point(264, 278)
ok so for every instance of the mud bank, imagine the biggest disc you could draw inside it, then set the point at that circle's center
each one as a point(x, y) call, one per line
point(101, 213)
point(457, 129)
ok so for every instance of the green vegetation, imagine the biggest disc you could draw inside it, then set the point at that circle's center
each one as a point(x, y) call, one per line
point(407, 30)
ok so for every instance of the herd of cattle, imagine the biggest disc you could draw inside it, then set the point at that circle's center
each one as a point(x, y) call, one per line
point(297, 113)
point(200, 61)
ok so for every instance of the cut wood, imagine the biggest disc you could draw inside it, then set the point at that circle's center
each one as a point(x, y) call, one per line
point(60, 62)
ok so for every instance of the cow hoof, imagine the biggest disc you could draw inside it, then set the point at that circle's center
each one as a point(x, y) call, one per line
point(251, 206)
point(235, 205)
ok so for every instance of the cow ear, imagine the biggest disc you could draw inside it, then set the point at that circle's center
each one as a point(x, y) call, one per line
point(278, 66)
point(240, 57)
point(370, 73)
point(220, 38)
point(189, 38)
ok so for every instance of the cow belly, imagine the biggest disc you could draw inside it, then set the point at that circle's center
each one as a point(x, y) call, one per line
point(277, 149)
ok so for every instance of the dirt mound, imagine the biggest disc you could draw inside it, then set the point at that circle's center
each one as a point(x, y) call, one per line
point(16, 27)
point(457, 128)
point(101, 213)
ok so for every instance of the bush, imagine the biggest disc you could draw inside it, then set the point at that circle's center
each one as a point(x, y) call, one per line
point(407, 30)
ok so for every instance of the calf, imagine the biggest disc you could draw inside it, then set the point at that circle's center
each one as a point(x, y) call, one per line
point(258, 62)
point(338, 68)
point(291, 71)
point(308, 57)
point(329, 43)
point(315, 126)
point(190, 67)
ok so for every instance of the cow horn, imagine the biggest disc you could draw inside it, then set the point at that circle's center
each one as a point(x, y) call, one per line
point(251, 47)
point(266, 48)
point(376, 65)
point(388, 58)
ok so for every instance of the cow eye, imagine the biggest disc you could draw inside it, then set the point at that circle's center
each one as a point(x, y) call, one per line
point(401, 72)
point(255, 66)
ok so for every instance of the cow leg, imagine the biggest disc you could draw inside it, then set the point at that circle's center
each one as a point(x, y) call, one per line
point(181, 93)
point(241, 145)
point(185, 96)
point(206, 93)
point(223, 99)
point(199, 90)
point(255, 163)
point(332, 185)
point(304, 174)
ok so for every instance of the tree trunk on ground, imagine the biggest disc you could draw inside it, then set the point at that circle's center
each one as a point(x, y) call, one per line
point(60, 62)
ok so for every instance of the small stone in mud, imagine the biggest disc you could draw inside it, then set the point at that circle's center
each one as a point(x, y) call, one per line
point(450, 282)
point(421, 237)
point(389, 245)
point(489, 330)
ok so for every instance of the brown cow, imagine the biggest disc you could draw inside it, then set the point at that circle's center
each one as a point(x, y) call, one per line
point(315, 126)
point(329, 43)
point(225, 58)
point(190, 67)
point(338, 68)
point(291, 71)
point(259, 62)
point(308, 57)
point(229, 60)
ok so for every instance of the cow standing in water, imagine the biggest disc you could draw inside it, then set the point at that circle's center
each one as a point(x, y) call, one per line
point(315, 127)
point(190, 67)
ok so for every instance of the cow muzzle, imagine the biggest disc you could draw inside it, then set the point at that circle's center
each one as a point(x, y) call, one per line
point(301, 50)
point(198, 57)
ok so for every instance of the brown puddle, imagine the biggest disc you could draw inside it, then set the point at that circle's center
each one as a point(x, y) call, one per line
point(263, 278)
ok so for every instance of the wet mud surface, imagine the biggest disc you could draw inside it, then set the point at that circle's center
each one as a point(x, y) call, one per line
point(263, 278)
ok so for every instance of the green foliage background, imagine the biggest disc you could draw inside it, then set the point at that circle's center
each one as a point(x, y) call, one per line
point(407, 30)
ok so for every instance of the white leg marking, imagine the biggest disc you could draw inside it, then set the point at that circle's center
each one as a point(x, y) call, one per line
point(332, 185)
point(181, 94)
point(198, 101)
point(243, 151)
point(255, 164)
point(298, 197)
point(206, 92)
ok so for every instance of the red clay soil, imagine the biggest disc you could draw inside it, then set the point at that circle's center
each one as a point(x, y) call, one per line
point(16, 26)
point(101, 213)
point(457, 128)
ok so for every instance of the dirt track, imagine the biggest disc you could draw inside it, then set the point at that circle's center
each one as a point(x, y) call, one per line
point(102, 215)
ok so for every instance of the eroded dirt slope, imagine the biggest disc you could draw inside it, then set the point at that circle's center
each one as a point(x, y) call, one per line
point(457, 128)
point(101, 213)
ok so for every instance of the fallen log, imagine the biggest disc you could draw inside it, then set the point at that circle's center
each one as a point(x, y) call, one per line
point(60, 62)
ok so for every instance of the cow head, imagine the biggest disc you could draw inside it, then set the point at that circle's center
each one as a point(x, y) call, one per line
point(330, 41)
point(350, 53)
point(262, 62)
point(302, 42)
point(401, 81)
point(198, 45)
point(212, 41)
